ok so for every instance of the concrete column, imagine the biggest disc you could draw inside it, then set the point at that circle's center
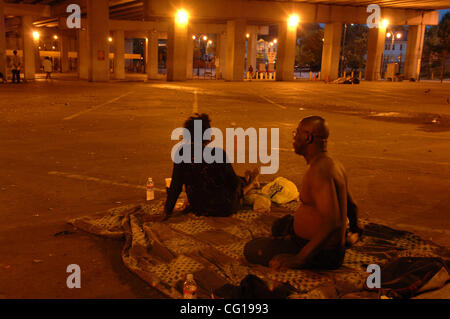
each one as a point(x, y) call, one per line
point(331, 51)
point(235, 57)
point(119, 54)
point(287, 41)
point(64, 43)
point(29, 50)
point(83, 54)
point(177, 52)
point(152, 55)
point(189, 56)
point(98, 28)
point(2, 40)
point(414, 49)
point(375, 49)
point(251, 50)
point(221, 54)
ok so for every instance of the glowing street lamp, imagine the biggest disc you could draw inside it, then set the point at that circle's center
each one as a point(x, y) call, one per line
point(293, 21)
point(193, 37)
point(398, 35)
point(55, 37)
point(36, 35)
point(385, 23)
point(110, 39)
point(205, 38)
point(275, 41)
point(247, 35)
point(182, 17)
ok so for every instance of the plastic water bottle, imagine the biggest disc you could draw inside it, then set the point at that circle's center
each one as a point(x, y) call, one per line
point(150, 189)
point(190, 287)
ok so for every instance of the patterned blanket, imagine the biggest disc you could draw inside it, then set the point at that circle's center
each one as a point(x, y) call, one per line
point(211, 248)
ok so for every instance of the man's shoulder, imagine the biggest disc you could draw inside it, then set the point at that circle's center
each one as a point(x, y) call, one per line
point(327, 168)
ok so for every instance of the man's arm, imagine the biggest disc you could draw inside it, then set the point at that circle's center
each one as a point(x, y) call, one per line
point(175, 189)
point(352, 214)
point(327, 206)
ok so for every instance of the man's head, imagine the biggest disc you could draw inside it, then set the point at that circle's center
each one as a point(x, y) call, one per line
point(312, 133)
point(190, 124)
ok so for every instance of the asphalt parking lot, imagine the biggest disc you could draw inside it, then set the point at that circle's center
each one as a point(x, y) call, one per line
point(73, 148)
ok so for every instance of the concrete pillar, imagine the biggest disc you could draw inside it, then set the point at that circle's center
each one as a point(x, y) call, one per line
point(64, 43)
point(287, 41)
point(119, 54)
point(189, 57)
point(29, 50)
point(375, 49)
point(2, 40)
point(331, 51)
point(414, 49)
point(235, 57)
point(177, 51)
point(83, 54)
point(152, 55)
point(221, 54)
point(251, 51)
point(98, 28)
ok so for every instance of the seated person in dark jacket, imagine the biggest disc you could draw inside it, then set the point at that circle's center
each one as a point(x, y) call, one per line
point(213, 189)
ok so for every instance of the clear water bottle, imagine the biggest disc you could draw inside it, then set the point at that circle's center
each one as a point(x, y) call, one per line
point(190, 287)
point(150, 189)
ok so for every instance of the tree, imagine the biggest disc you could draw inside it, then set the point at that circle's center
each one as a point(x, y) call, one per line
point(437, 45)
point(355, 47)
point(309, 52)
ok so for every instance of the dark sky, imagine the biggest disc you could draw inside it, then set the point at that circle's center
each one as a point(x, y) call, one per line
point(442, 12)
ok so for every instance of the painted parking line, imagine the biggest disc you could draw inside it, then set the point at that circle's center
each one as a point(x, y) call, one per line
point(382, 158)
point(96, 107)
point(99, 180)
point(274, 103)
point(195, 105)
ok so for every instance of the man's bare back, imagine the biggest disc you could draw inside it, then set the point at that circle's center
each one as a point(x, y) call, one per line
point(323, 173)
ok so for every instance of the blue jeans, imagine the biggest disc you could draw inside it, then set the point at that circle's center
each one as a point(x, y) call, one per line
point(15, 73)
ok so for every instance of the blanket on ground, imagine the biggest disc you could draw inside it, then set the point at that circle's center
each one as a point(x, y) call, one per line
point(211, 248)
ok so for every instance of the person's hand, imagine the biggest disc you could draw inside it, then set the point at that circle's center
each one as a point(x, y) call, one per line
point(285, 261)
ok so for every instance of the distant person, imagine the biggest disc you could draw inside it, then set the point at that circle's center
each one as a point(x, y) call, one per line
point(213, 189)
point(3, 78)
point(250, 71)
point(315, 236)
point(48, 68)
point(15, 67)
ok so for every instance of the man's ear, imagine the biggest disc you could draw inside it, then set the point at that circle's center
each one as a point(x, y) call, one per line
point(310, 138)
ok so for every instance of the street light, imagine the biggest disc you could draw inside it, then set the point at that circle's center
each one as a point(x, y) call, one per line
point(247, 35)
point(275, 41)
point(182, 17)
point(110, 39)
point(385, 23)
point(55, 37)
point(36, 35)
point(193, 37)
point(205, 38)
point(293, 21)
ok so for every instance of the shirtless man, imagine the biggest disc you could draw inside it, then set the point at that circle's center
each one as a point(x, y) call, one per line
point(315, 237)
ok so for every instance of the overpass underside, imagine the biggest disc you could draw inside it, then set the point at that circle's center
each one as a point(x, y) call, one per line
point(236, 24)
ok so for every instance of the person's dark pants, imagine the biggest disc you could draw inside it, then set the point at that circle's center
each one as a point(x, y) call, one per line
point(284, 241)
point(15, 73)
